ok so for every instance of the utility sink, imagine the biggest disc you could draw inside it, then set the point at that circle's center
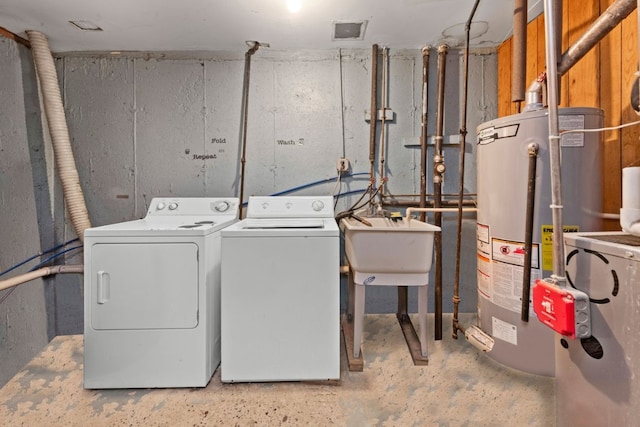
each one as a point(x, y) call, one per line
point(389, 252)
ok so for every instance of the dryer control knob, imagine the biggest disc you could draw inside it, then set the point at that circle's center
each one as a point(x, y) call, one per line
point(317, 205)
point(222, 206)
point(160, 206)
point(173, 206)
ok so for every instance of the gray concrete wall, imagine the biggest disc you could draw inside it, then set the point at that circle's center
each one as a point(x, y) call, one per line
point(161, 125)
point(23, 315)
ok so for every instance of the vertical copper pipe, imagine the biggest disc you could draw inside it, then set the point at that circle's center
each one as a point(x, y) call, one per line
point(438, 173)
point(374, 111)
point(383, 124)
point(463, 143)
point(423, 134)
point(519, 55)
point(245, 106)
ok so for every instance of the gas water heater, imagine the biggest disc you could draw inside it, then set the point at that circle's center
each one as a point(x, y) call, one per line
point(503, 162)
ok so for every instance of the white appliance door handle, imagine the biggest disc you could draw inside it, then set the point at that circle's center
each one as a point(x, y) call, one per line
point(103, 287)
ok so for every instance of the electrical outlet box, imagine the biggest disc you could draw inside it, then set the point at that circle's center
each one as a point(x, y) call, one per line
point(565, 310)
point(342, 165)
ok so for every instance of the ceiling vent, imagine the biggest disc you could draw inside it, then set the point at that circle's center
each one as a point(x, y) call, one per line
point(349, 30)
point(85, 25)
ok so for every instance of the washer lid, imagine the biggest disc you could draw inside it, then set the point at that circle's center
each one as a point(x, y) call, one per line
point(282, 223)
point(282, 227)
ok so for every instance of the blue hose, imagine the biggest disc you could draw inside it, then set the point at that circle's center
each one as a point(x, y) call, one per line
point(20, 264)
point(311, 184)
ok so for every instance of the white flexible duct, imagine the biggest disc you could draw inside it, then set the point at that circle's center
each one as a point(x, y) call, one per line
point(54, 110)
point(46, 271)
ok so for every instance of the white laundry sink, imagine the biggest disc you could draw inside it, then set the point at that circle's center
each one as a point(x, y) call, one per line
point(389, 252)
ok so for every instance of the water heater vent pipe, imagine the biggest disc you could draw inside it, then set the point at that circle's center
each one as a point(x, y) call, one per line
point(606, 22)
point(519, 56)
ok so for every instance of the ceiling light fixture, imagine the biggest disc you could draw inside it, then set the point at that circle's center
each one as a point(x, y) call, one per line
point(85, 25)
point(294, 6)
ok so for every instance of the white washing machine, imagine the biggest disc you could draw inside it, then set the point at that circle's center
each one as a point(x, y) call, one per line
point(152, 296)
point(281, 292)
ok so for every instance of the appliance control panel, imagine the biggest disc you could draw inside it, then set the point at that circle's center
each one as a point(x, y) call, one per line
point(194, 206)
point(290, 207)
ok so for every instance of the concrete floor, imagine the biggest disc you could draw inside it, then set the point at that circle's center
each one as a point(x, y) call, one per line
point(459, 387)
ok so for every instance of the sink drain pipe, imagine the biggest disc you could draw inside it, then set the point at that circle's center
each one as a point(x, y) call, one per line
point(54, 110)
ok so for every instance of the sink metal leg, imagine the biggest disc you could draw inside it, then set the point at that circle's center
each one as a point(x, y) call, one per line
point(422, 317)
point(403, 298)
point(358, 318)
point(350, 295)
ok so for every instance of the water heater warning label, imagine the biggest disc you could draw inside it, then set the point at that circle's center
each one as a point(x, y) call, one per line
point(512, 252)
point(504, 331)
point(500, 272)
point(571, 122)
point(547, 243)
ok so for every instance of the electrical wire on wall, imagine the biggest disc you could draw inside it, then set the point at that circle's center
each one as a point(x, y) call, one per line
point(344, 143)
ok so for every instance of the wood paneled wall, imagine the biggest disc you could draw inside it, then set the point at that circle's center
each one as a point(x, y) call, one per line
point(603, 79)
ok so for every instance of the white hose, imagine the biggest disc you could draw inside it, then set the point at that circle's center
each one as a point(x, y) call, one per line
point(54, 110)
point(46, 271)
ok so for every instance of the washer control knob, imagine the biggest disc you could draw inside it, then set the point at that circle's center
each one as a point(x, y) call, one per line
point(288, 205)
point(317, 205)
point(173, 206)
point(265, 205)
point(160, 206)
point(222, 206)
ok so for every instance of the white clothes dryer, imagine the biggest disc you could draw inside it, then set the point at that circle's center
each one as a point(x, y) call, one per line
point(152, 296)
point(281, 292)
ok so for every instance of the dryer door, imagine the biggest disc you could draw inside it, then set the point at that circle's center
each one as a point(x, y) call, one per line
point(144, 286)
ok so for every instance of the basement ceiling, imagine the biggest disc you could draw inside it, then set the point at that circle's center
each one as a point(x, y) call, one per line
point(225, 25)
